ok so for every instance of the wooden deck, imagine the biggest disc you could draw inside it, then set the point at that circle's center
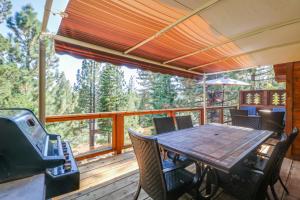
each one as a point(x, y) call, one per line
point(115, 178)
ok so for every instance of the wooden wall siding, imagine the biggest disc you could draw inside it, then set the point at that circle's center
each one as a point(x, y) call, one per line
point(280, 72)
point(296, 106)
point(293, 103)
point(263, 98)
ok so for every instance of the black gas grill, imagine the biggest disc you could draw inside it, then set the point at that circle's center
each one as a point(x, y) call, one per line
point(27, 149)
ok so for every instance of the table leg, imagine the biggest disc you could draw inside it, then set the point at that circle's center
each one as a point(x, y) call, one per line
point(211, 185)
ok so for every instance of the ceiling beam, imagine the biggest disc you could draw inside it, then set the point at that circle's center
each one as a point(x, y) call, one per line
point(167, 28)
point(245, 53)
point(47, 10)
point(237, 37)
point(114, 52)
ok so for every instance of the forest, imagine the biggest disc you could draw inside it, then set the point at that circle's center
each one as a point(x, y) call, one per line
point(99, 87)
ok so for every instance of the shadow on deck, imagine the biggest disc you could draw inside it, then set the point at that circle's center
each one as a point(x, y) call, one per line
point(115, 178)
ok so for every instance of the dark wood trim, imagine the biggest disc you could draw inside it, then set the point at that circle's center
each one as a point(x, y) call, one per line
point(289, 101)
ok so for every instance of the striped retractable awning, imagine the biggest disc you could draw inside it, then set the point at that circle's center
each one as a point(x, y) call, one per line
point(179, 37)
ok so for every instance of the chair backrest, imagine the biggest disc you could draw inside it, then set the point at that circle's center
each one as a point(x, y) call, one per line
point(164, 124)
point(292, 137)
point(272, 121)
point(278, 155)
point(234, 112)
point(280, 109)
point(251, 109)
point(246, 121)
point(184, 122)
point(149, 161)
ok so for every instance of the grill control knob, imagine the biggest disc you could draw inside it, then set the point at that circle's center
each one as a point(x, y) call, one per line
point(67, 166)
point(64, 144)
point(67, 155)
point(31, 122)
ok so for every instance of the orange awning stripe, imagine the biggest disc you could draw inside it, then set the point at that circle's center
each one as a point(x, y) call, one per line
point(123, 24)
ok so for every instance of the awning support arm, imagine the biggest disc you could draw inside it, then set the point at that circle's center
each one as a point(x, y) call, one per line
point(42, 63)
point(114, 52)
point(167, 28)
point(204, 99)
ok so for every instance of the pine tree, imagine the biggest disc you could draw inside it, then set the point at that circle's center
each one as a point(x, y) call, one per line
point(20, 69)
point(85, 87)
point(5, 9)
point(112, 96)
point(25, 28)
point(157, 91)
point(132, 103)
point(189, 93)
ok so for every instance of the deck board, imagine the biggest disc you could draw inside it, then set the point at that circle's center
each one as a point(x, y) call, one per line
point(116, 178)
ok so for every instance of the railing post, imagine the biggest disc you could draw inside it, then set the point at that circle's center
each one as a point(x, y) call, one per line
point(172, 114)
point(265, 98)
point(119, 133)
point(114, 133)
point(201, 117)
point(221, 116)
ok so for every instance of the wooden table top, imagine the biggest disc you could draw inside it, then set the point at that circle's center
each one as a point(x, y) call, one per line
point(218, 145)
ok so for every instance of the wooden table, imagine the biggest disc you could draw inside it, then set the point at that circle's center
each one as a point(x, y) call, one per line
point(23, 189)
point(217, 145)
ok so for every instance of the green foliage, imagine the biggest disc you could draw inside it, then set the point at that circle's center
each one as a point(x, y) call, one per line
point(5, 8)
point(19, 70)
point(112, 95)
point(25, 29)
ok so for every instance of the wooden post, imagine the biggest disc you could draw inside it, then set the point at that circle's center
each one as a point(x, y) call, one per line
point(173, 115)
point(265, 98)
point(241, 97)
point(204, 100)
point(221, 116)
point(114, 133)
point(42, 81)
point(119, 133)
point(201, 117)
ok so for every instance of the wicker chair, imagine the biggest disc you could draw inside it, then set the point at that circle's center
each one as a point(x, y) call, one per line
point(272, 121)
point(158, 181)
point(251, 109)
point(246, 121)
point(184, 122)
point(278, 154)
point(245, 182)
point(275, 175)
point(234, 112)
point(164, 124)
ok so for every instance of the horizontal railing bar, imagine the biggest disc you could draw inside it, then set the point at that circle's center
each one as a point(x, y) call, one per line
point(87, 116)
point(116, 116)
point(94, 153)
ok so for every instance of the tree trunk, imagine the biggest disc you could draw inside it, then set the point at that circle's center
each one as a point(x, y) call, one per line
point(92, 107)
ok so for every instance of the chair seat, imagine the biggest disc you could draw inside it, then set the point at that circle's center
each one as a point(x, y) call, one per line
point(272, 141)
point(178, 178)
point(256, 162)
point(242, 183)
point(168, 164)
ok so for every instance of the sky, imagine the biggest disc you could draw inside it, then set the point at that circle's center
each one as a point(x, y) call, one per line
point(67, 64)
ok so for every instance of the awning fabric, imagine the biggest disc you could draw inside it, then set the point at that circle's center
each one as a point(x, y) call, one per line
point(227, 35)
